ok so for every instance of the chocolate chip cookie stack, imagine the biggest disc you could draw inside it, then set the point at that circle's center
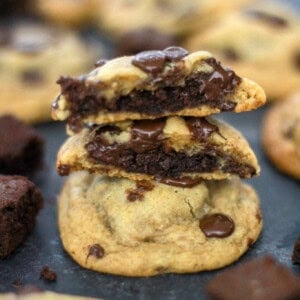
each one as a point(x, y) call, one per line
point(155, 184)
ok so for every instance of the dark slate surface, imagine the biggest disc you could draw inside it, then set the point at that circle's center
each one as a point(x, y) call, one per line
point(280, 199)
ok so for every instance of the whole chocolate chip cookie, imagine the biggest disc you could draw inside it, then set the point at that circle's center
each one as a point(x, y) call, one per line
point(281, 135)
point(260, 43)
point(163, 149)
point(146, 228)
point(32, 56)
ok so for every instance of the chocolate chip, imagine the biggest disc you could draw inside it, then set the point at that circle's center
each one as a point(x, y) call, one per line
point(297, 61)
point(63, 170)
point(184, 182)
point(32, 77)
point(48, 274)
point(97, 251)
point(216, 225)
point(100, 63)
point(269, 18)
point(175, 53)
point(138, 193)
point(150, 61)
point(231, 54)
point(296, 252)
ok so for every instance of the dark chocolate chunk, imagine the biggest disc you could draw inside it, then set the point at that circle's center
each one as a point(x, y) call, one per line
point(48, 274)
point(268, 18)
point(175, 53)
point(216, 225)
point(200, 128)
point(21, 147)
point(152, 61)
point(296, 252)
point(184, 182)
point(97, 251)
point(100, 63)
point(20, 201)
point(143, 39)
point(259, 279)
point(32, 77)
point(63, 170)
point(138, 193)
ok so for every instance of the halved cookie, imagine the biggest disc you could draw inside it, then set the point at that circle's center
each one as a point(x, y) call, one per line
point(163, 149)
point(166, 229)
point(153, 84)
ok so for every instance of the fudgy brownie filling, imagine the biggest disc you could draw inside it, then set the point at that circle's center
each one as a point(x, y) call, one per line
point(211, 89)
point(147, 152)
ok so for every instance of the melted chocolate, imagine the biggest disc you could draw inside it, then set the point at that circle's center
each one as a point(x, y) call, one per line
point(63, 170)
point(152, 61)
point(175, 53)
point(138, 193)
point(146, 152)
point(216, 225)
point(296, 252)
point(200, 128)
point(184, 182)
point(97, 251)
point(269, 18)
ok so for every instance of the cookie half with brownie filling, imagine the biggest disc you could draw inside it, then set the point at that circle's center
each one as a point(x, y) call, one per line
point(154, 84)
point(165, 149)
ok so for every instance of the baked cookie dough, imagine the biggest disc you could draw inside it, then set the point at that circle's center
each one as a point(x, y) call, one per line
point(153, 84)
point(174, 17)
point(281, 135)
point(42, 295)
point(163, 229)
point(67, 12)
point(163, 149)
point(260, 43)
point(32, 56)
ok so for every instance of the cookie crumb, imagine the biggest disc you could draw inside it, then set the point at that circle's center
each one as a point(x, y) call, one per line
point(48, 274)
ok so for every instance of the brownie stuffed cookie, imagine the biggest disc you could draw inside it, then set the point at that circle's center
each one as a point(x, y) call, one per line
point(154, 84)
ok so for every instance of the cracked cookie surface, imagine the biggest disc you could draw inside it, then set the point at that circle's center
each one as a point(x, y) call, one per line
point(281, 135)
point(162, 230)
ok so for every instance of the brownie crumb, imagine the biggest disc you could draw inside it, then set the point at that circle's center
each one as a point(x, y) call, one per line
point(17, 284)
point(296, 252)
point(48, 274)
point(259, 279)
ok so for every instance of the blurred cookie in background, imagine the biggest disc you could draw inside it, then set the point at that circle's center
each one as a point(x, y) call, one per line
point(281, 135)
point(262, 43)
point(175, 17)
point(67, 12)
point(32, 57)
point(135, 41)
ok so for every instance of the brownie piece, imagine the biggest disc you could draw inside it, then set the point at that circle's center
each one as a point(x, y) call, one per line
point(296, 252)
point(21, 147)
point(260, 279)
point(20, 201)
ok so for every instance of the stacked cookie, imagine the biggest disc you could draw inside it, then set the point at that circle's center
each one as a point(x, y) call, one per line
point(155, 182)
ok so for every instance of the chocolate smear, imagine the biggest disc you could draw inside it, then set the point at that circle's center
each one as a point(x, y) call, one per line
point(200, 128)
point(183, 182)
